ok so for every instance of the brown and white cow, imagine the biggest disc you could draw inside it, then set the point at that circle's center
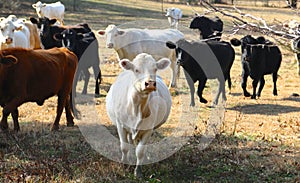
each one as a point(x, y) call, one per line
point(33, 76)
point(137, 103)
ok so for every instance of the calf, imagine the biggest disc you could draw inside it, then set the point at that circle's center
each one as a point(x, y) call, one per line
point(259, 57)
point(174, 15)
point(34, 76)
point(202, 61)
point(137, 103)
point(85, 46)
point(50, 10)
point(210, 28)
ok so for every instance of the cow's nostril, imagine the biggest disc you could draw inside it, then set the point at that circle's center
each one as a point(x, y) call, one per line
point(154, 84)
point(146, 84)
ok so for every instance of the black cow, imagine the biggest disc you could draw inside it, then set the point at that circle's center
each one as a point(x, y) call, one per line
point(85, 46)
point(202, 61)
point(209, 27)
point(48, 29)
point(259, 57)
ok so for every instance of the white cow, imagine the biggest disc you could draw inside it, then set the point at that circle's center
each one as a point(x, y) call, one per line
point(174, 15)
point(14, 34)
point(137, 103)
point(128, 43)
point(50, 10)
point(29, 29)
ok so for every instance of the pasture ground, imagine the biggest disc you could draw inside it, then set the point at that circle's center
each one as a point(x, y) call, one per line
point(259, 140)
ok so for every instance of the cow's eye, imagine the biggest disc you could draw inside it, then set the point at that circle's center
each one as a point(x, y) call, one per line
point(137, 71)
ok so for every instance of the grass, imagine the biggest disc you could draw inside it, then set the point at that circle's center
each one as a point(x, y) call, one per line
point(258, 140)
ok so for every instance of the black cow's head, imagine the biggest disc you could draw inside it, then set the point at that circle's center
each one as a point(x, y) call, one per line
point(74, 41)
point(181, 54)
point(208, 27)
point(43, 24)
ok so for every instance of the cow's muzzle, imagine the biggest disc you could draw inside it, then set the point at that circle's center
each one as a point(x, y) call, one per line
point(110, 45)
point(150, 86)
point(8, 40)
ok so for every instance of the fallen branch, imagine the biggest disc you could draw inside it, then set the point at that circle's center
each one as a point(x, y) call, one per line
point(240, 23)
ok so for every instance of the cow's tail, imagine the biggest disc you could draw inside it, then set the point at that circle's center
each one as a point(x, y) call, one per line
point(74, 110)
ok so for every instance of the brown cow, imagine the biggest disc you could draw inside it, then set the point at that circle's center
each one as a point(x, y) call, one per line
point(28, 75)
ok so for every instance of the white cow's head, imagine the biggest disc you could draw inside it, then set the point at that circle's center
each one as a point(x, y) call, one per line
point(144, 68)
point(112, 33)
point(38, 7)
point(170, 12)
point(7, 29)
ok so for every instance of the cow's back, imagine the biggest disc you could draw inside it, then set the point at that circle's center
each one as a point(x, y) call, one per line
point(40, 74)
point(151, 41)
point(224, 53)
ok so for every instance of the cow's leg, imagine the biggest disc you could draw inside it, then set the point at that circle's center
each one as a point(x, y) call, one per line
point(15, 115)
point(221, 89)
point(191, 86)
point(175, 70)
point(261, 86)
point(274, 82)
point(8, 109)
point(86, 80)
point(254, 85)
point(245, 74)
point(140, 153)
point(123, 135)
point(298, 60)
point(200, 90)
point(69, 116)
point(61, 100)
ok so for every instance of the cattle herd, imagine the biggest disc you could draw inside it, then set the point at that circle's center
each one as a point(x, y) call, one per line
point(39, 57)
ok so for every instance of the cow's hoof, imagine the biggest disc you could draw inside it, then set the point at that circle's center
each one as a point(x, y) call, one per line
point(70, 124)
point(17, 129)
point(97, 95)
point(138, 172)
point(246, 94)
point(202, 100)
point(253, 97)
point(55, 128)
point(3, 127)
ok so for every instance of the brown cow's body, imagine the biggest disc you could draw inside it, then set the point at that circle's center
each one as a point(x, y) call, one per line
point(34, 76)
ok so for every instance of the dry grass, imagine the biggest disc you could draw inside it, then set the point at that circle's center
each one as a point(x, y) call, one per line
point(258, 142)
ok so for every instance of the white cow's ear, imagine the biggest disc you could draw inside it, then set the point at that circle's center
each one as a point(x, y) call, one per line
point(120, 32)
point(126, 64)
point(34, 5)
point(44, 5)
point(19, 28)
point(163, 63)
